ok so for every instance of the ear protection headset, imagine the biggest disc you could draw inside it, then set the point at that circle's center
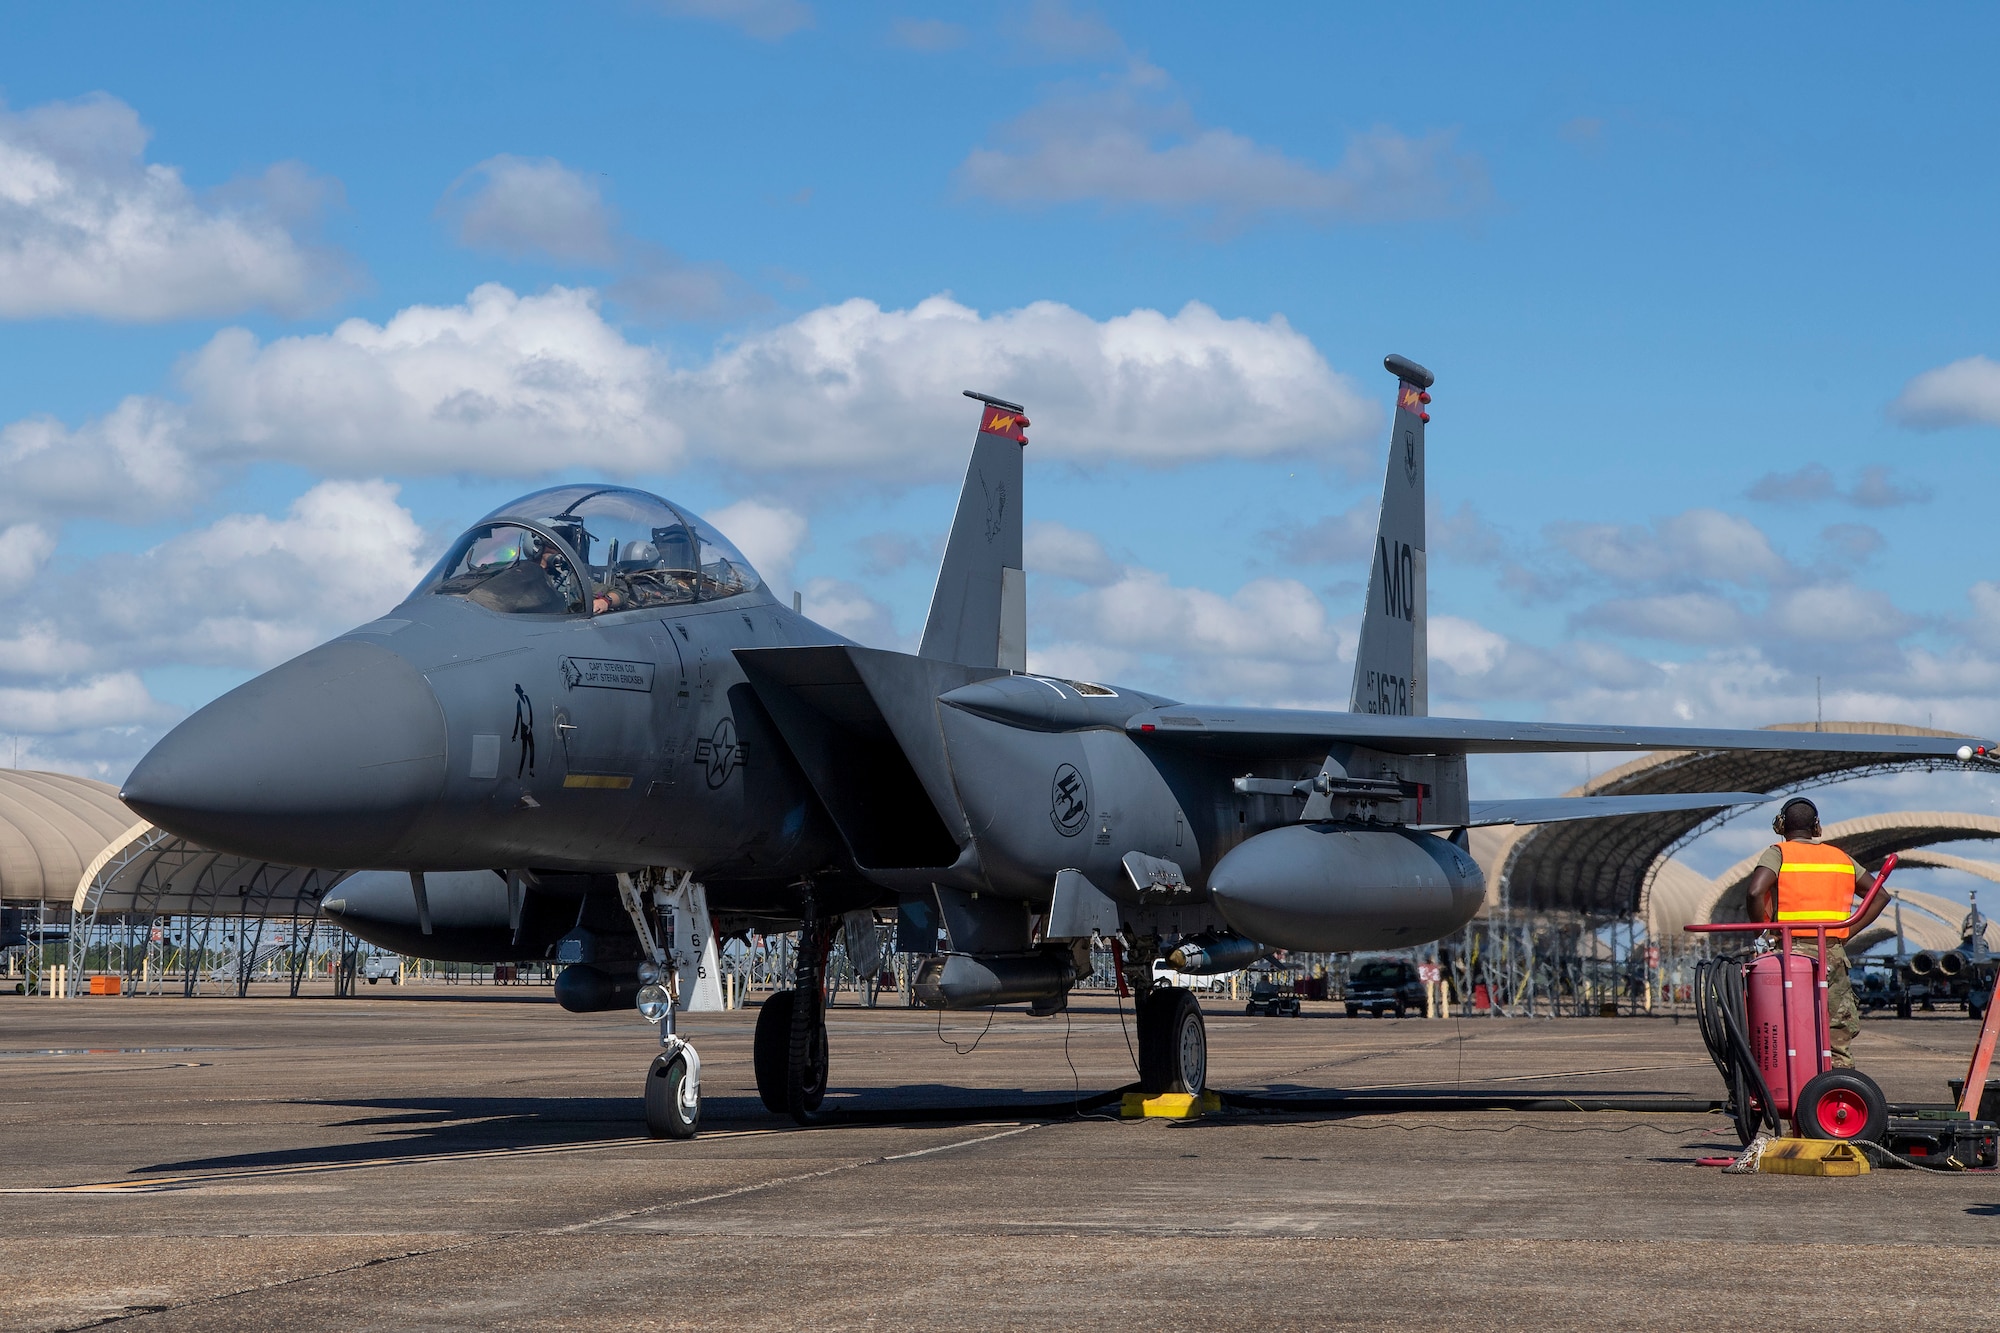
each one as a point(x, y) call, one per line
point(1778, 824)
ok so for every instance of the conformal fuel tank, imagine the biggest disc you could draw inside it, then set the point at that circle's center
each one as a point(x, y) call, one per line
point(1334, 888)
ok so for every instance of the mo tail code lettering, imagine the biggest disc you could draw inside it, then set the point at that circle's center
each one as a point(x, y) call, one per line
point(1399, 578)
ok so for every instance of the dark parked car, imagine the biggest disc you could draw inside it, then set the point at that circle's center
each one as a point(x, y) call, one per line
point(1385, 985)
point(1267, 998)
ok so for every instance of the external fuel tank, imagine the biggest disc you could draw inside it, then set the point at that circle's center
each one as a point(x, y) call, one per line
point(1333, 887)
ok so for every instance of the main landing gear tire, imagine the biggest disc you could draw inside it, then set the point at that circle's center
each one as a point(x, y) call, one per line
point(805, 1073)
point(1841, 1104)
point(771, 1053)
point(671, 1113)
point(780, 1077)
point(1173, 1042)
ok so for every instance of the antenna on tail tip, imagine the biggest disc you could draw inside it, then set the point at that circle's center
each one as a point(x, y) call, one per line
point(994, 402)
point(1405, 369)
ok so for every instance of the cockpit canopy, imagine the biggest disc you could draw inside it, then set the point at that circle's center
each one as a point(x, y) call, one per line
point(633, 551)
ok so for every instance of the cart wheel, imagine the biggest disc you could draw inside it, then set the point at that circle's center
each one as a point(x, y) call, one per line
point(1841, 1104)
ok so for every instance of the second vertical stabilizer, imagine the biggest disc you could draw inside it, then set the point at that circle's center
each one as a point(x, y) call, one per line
point(1391, 663)
point(979, 609)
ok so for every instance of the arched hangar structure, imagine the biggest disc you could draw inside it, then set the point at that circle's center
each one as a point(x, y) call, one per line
point(1869, 840)
point(52, 825)
point(1604, 868)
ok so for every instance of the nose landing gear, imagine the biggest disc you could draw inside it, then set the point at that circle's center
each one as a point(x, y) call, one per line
point(672, 1097)
point(673, 1090)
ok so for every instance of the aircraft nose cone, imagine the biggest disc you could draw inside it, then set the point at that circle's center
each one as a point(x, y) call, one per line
point(325, 761)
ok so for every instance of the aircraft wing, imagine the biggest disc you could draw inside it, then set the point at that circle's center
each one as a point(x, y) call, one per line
point(1305, 733)
point(1557, 809)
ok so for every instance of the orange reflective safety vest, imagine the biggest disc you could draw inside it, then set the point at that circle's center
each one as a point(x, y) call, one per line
point(1815, 883)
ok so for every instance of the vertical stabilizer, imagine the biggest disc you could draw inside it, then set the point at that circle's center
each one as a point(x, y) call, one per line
point(1391, 665)
point(979, 610)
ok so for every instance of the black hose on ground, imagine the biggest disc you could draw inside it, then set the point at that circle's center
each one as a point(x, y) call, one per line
point(1718, 1007)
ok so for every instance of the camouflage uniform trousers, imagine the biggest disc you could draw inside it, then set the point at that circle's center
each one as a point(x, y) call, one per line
point(1843, 1011)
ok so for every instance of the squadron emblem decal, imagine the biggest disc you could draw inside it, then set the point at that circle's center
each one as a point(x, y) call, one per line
point(1410, 456)
point(1069, 801)
point(996, 421)
point(720, 753)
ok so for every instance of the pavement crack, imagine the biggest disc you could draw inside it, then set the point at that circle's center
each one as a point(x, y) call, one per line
point(501, 1237)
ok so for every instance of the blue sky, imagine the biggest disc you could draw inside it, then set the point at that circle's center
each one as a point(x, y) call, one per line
point(1708, 294)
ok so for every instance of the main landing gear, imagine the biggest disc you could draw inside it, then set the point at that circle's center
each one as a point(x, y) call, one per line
point(789, 1049)
point(1173, 1039)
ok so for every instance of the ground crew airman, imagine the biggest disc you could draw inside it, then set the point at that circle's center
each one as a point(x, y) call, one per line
point(1800, 881)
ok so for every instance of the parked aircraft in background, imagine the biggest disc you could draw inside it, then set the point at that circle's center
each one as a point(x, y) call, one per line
point(592, 709)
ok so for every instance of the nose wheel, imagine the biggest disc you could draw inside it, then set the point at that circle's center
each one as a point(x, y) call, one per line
point(673, 1092)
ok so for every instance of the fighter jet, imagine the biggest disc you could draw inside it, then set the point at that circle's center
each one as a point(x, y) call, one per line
point(592, 718)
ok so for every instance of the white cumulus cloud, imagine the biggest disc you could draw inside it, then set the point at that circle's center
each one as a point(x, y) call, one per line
point(1063, 552)
point(769, 535)
point(119, 699)
point(503, 385)
point(24, 549)
point(847, 608)
point(252, 590)
point(1133, 142)
point(1964, 393)
point(129, 463)
point(532, 205)
point(524, 386)
point(854, 385)
point(1697, 543)
point(89, 227)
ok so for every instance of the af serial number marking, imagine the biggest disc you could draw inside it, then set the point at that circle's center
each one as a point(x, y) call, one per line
point(1384, 693)
point(598, 673)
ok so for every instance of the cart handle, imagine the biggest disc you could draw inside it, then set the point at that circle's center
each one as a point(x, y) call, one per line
point(1791, 927)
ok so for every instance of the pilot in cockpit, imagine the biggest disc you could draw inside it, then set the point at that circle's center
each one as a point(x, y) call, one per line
point(513, 570)
point(592, 550)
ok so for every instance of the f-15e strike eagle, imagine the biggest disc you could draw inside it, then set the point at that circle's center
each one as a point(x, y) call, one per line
point(592, 719)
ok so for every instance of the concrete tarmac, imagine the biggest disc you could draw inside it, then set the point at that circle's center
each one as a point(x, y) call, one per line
point(459, 1158)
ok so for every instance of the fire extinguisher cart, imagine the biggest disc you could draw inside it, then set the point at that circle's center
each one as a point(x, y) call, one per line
point(1765, 1022)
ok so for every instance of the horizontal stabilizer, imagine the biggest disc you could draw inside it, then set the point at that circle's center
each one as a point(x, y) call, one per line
point(1558, 809)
